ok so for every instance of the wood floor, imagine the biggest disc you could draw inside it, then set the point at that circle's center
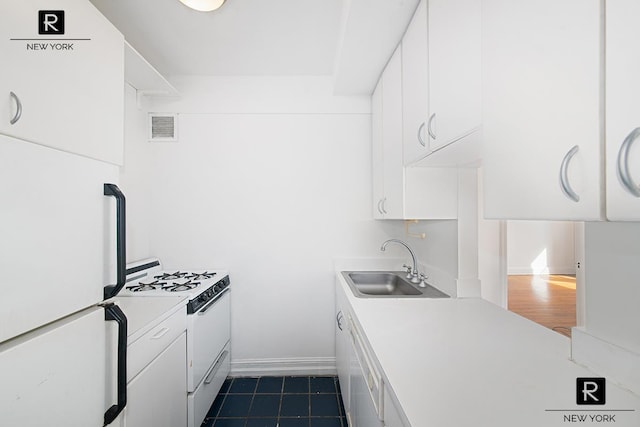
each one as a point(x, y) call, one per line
point(547, 300)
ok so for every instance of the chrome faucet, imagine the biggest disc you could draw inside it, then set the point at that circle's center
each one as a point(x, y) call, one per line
point(416, 277)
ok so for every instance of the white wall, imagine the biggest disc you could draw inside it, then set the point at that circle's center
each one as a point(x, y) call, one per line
point(609, 341)
point(437, 253)
point(271, 178)
point(135, 181)
point(612, 283)
point(491, 256)
point(468, 283)
point(540, 247)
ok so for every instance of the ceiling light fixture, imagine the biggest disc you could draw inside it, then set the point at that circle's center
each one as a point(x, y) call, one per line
point(203, 5)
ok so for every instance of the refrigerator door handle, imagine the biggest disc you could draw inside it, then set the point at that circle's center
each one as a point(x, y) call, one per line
point(114, 313)
point(121, 244)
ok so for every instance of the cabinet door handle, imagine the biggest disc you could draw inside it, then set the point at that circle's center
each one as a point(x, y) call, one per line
point(18, 114)
point(162, 332)
point(380, 206)
point(564, 175)
point(384, 201)
point(623, 163)
point(339, 318)
point(420, 138)
point(430, 128)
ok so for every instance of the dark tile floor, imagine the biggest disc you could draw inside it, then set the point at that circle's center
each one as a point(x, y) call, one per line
point(278, 402)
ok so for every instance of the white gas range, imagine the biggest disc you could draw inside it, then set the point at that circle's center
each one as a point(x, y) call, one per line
point(208, 324)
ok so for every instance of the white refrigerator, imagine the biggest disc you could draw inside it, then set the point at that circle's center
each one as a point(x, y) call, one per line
point(62, 252)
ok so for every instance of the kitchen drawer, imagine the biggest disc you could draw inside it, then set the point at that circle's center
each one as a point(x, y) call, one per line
point(141, 352)
point(200, 400)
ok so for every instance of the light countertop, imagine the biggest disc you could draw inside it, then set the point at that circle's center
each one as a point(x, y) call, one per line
point(466, 362)
point(144, 313)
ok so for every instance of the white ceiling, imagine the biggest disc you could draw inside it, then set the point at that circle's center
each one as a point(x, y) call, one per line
point(350, 40)
point(244, 37)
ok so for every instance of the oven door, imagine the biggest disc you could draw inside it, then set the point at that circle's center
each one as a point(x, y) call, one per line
point(209, 330)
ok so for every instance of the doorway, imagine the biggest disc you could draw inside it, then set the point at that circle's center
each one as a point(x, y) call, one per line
point(542, 266)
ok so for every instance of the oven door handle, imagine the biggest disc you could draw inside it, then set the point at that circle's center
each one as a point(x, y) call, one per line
point(215, 367)
point(213, 301)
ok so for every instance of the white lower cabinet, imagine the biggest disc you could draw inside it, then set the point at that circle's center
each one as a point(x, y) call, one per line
point(157, 397)
point(366, 387)
point(156, 372)
point(343, 347)
point(368, 401)
point(393, 416)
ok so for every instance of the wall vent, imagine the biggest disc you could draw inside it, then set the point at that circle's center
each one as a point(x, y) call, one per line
point(163, 127)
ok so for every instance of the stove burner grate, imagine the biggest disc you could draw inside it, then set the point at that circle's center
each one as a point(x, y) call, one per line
point(179, 287)
point(141, 286)
point(200, 276)
point(172, 276)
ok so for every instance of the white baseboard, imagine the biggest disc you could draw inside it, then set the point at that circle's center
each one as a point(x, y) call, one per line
point(617, 364)
point(284, 366)
point(518, 271)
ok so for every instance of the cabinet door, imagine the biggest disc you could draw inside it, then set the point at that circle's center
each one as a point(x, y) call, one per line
point(377, 155)
point(393, 172)
point(454, 70)
point(541, 80)
point(157, 397)
point(363, 410)
point(623, 110)
point(392, 414)
point(343, 345)
point(69, 87)
point(414, 86)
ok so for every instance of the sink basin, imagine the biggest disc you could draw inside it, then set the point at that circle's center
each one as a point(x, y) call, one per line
point(391, 284)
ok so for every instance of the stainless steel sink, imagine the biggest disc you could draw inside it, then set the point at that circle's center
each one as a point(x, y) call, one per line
point(389, 284)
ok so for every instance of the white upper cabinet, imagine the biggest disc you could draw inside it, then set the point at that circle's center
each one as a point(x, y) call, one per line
point(415, 69)
point(401, 192)
point(62, 87)
point(623, 110)
point(376, 152)
point(441, 86)
point(454, 70)
point(542, 97)
point(386, 108)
